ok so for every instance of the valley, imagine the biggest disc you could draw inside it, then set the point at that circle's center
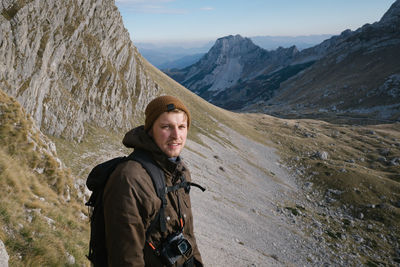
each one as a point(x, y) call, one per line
point(281, 190)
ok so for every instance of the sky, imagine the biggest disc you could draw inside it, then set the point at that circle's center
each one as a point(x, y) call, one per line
point(168, 21)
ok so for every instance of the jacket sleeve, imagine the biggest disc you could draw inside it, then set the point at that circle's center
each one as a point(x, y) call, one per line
point(124, 229)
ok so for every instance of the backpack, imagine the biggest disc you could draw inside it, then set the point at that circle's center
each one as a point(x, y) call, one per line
point(96, 182)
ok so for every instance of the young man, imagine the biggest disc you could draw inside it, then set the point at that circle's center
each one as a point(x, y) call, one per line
point(131, 203)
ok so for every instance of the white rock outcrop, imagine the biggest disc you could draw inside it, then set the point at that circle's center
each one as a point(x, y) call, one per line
point(3, 255)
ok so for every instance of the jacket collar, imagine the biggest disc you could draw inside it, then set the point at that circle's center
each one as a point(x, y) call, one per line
point(139, 138)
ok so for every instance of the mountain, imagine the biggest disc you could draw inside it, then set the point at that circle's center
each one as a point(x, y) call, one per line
point(232, 62)
point(358, 76)
point(301, 42)
point(353, 75)
point(79, 56)
point(167, 56)
point(280, 192)
point(181, 62)
point(173, 55)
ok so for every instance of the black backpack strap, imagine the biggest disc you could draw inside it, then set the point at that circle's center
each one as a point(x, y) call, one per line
point(185, 185)
point(158, 178)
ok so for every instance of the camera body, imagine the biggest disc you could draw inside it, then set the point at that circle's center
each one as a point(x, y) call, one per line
point(175, 247)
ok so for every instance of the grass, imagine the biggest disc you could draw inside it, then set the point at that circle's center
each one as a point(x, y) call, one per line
point(38, 225)
point(369, 185)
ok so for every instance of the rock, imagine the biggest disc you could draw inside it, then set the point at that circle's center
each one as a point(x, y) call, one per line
point(335, 192)
point(70, 259)
point(395, 162)
point(384, 152)
point(322, 155)
point(105, 83)
point(330, 200)
point(382, 159)
point(308, 185)
point(3, 255)
point(358, 238)
point(309, 135)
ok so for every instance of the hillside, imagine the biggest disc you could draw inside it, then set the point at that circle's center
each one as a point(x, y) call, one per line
point(337, 187)
point(71, 64)
point(41, 213)
point(279, 192)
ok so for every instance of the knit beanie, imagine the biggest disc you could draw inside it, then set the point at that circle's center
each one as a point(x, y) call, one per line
point(160, 105)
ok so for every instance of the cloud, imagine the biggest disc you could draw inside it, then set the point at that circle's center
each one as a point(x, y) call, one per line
point(207, 8)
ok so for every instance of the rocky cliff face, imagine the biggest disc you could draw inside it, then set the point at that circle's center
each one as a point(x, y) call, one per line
point(71, 63)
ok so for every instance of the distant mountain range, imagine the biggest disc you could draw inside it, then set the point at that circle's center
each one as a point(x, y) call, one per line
point(356, 73)
point(169, 56)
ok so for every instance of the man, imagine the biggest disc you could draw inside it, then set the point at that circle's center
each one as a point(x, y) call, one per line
point(130, 200)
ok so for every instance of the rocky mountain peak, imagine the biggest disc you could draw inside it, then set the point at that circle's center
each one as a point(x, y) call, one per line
point(234, 45)
point(392, 16)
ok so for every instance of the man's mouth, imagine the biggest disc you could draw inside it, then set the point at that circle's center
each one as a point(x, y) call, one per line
point(174, 144)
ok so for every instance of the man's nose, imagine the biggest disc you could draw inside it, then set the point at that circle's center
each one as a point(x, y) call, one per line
point(174, 132)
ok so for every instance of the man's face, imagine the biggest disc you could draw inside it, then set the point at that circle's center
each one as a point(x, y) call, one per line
point(169, 132)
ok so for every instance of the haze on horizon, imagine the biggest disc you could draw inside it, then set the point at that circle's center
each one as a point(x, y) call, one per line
point(174, 21)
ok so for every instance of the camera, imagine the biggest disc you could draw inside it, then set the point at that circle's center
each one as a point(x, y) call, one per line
point(175, 247)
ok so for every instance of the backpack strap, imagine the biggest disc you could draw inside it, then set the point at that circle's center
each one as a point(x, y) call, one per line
point(158, 178)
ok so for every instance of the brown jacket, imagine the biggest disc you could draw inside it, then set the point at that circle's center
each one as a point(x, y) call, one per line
point(131, 204)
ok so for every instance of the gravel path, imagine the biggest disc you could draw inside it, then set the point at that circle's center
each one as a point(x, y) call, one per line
point(238, 220)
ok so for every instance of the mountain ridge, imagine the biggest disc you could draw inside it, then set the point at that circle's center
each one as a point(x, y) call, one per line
point(359, 65)
point(231, 61)
point(273, 88)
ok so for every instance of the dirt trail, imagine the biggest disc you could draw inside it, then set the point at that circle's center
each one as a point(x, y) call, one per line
point(237, 220)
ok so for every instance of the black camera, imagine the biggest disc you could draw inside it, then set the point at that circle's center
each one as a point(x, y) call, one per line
point(175, 247)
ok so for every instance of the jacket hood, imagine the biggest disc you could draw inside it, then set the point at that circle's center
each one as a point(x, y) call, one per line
point(138, 138)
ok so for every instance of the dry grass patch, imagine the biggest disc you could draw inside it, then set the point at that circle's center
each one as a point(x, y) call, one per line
point(354, 169)
point(42, 219)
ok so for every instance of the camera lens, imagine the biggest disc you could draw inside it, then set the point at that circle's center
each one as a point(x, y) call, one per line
point(183, 247)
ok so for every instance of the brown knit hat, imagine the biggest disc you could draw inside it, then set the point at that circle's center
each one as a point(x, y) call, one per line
point(160, 105)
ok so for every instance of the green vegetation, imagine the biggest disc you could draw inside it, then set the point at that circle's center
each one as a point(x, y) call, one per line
point(361, 167)
point(41, 217)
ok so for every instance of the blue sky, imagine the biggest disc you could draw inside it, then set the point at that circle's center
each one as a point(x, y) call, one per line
point(186, 20)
